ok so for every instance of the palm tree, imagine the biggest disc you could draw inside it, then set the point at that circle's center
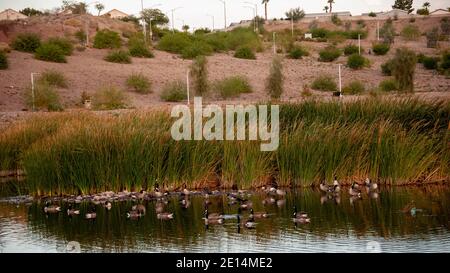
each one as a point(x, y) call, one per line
point(326, 8)
point(331, 2)
point(99, 7)
point(265, 2)
point(426, 5)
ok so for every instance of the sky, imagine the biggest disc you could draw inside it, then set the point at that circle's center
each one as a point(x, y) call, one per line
point(197, 13)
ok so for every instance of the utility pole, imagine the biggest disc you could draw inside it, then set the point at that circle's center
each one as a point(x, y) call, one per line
point(224, 12)
point(144, 24)
point(213, 23)
point(254, 14)
point(173, 26)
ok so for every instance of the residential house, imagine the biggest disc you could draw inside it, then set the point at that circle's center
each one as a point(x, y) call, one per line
point(10, 14)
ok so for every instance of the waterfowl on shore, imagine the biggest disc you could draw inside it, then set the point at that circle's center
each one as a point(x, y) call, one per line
point(51, 208)
point(185, 190)
point(91, 215)
point(139, 208)
point(107, 205)
point(258, 215)
point(324, 187)
point(354, 191)
point(141, 194)
point(370, 186)
point(185, 203)
point(71, 211)
point(280, 192)
point(165, 216)
point(249, 223)
point(336, 188)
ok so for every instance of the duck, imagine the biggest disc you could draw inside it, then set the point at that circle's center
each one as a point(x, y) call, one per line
point(300, 214)
point(185, 203)
point(300, 217)
point(91, 215)
point(71, 211)
point(370, 186)
point(212, 216)
point(157, 192)
point(324, 187)
point(159, 207)
point(410, 207)
point(51, 208)
point(141, 194)
point(258, 215)
point(185, 190)
point(354, 191)
point(336, 188)
point(165, 216)
point(249, 223)
point(139, 208)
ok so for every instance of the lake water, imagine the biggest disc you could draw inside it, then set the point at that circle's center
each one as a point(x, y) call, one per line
point(366, 225)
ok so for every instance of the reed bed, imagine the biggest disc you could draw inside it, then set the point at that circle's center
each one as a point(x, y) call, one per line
point(395, 142)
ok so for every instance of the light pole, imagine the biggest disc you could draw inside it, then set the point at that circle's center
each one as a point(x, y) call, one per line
point(172, 10)
point(150, 24)
point(182, 22)
point(224, 12)
point(213, 25)
point(32, 89)
point(144, 24)
point(254, 14)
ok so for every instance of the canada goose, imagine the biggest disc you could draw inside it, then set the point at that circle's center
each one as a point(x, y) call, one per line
point(336, 186)
point(249, 223)
point(280, 192)
point(185, 203)
point(139, 208)
point(91, 215)
point(212, 216)
point(324, 187)
point(354, 191)
point(410, 207)
point(51, 208)
point(141, 194)
point(159, 207)
point(107, 205)
point(134, 215)
point(258, 215)
point(165, 216)
point(71, 211)
point(246, 205)
point(269, 201)
point(185, 190)
point(300, 214)
point(371, 186)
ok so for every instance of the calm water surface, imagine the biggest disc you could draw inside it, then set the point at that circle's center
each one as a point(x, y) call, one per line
point(366, 225)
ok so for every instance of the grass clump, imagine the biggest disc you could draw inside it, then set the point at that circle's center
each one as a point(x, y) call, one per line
point(199, 75)
point(356, 61)
point(118, 56)
point(297, 52)
point(53, 78)
point(139, 83)
point(174, 92)
point(381, 48)
point(45, 97)
point(351, 49)
point(81, 36)
point(354, 88)
point(388, 85)
point(410, 32)
point(430, 63)
point(109, 98)
point(445, 62)
point(324, 83)
point(403, 69)
point(138, 48)
point(196, 49)
point(64, 44)
point(26, 42)
point(275, 81)
point(3, 60)
point(233, 86)
point(386, 68)
point(329, 54)
point(245, 52)
point(107, 39)
point(50, 53)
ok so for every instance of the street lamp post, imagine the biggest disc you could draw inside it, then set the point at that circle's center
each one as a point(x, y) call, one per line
point(150, 23)
point(144, 24)
point(173, 27)
point(254, 14)
point(224, 12)
point(213, 23)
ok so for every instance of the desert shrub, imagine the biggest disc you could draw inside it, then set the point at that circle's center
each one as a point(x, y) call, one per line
point(351, 49)
point(356, 61)
point(381, 48)
point(388, 85)
point(430, 63)
point(329, 54)
point(410, 32)
point(50, 53)
point(387, 32)
point(138, 48)
point(306, 92)
point(53, 78)
point(445, 26)
point(26, 42)
point(139, 83)
point(372, 14)
point(195, 49)
point(423, 12)
point(80, 48)
point(432, 38)
point(319, 32)
point(199, 75)
point(174, 42)
point(81, 36)
point(245, 52)
point(403, 68)
point(420, 58)
point(297, 52)
point(63, 43)
point(354, 88)
point(109, 98)
point(45, 97)
point(174, 92)
point(107, 39)
point(324, 83)
point(445, 62)
point(118, 56)
point(354, 34)
point(361, 23)
point(233, 86)
point(275, 81)
point(386, 68)
point(412, 20)
point(3, 60)
point(336, 20)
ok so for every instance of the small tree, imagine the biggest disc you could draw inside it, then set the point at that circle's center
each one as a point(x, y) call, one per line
point(403, 68)
point(326, 8)
point(274, 84)
point(405, 5)
point(99, 7)
point(31, 12)
point(75, 7)
point(186, 28)
point(199, 74)
point(295, 14)
point(445, 26)
point(432, 38)
point(387, 32)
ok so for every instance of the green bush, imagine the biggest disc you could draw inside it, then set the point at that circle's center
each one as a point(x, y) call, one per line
point(195, 49)
point(388, 85)
point(381, 48)
point(356, 61)
point(354, 88)
point(354, 34)
point(403, 69)
point(411, 32)
point(174, 92)
point(233, 86)
point(445, 63)
point(319, 32)
point(245, 52)
point(386, 68)
point(26, 42)
point(81, 36)
point(45, 97)
point(351, 49)
point(174, 42)
point(53, 78)
point(329, 54)
point(324, 83)
point(109, 98)
point(430, 63)
point(432, 38)
point(107, 39)
point(3, 60)
point(139, 83)
point(138, 48)
point(63, 43)
point(50, 53)
point(387, 32)
point(336, 20)
point(199, 75)
point(118, 56)
point(420, 57)
point(297, 52)
point(275, 81)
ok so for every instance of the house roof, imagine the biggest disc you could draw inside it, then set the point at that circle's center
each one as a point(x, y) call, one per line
point(444, 10)
point(118, 11)
point(319, 14)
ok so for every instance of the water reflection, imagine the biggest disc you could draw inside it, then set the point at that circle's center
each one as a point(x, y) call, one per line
point(337, 225)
